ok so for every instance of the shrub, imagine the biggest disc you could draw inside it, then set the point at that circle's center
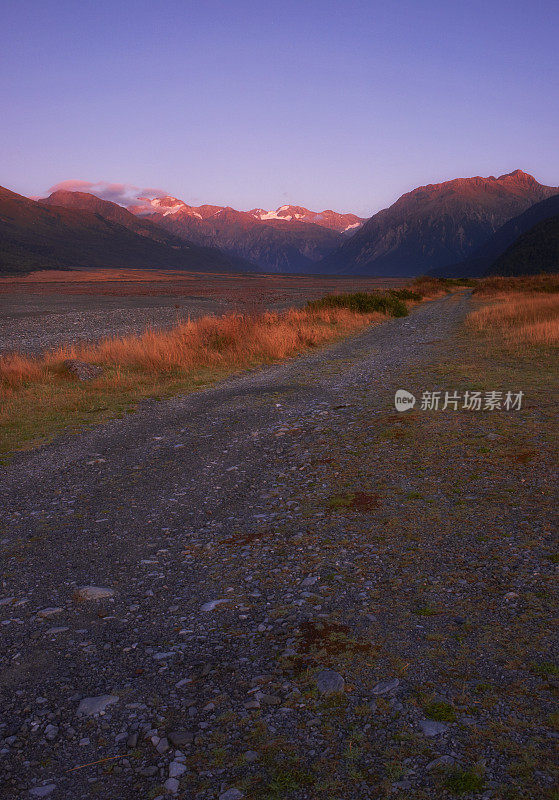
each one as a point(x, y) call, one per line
point(362, 303)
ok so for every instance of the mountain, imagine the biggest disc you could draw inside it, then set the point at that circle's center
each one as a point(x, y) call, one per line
point(93, 233)
point(436, 225)
point(482, 259)
point(536, 250)
point(291, 239)
point(342, 223)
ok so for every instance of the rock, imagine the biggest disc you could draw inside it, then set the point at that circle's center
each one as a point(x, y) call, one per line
point(42, 791)
point(213, 604)
point(180, 738)
point(172, 785)
point(442, 761)
point(49, 612)
point(251, 756)
point(231, 794)
point(309, 581)
point(386, 686)
point(82, 371)
point(132, 741)
point(51, 732)
point(94, 593)
point(176, 769)
point(92, 706)
point(162, 746)
point(329, 681)
point(431, 727)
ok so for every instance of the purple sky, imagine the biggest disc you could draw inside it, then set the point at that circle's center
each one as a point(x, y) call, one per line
point(340, 105)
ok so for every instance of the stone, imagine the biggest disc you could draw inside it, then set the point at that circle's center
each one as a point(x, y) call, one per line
point(442, 761)
point(213, 604)
point(92, 706)
point(176, 769)
point(180, 738)
point(49, 612)
point(431, 727)
point(132, 741)
point(42, 791)
point(81, 370)
point(384, 687)
point(231, 794)
point(251, 756)
point(94, 593)
point(309, 581)
point(329, 681)
point(172, 785)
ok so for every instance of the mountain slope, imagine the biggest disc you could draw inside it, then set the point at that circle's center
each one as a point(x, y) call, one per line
point(435, 225)
point(483, 257)
point(536, 250)
point(38, 235)
point(274, 242)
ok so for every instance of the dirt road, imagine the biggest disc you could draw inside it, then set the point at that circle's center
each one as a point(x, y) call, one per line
point(262, 542)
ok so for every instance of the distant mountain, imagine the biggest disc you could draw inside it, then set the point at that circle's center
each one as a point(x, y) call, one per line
point(436, 225)
point(342, 223)
point(482, 259)
point(291, 239)
point(536, 250)
point(88, 232)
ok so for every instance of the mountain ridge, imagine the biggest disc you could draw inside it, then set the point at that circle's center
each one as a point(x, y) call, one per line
point(435, 225)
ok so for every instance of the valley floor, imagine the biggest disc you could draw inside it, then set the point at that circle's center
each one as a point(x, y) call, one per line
point(410, 554)
point(51, 308)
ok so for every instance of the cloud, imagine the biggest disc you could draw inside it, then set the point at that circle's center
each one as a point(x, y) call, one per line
point(125, 194)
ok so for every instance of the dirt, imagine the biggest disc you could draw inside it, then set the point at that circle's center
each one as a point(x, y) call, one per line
point(281, 524)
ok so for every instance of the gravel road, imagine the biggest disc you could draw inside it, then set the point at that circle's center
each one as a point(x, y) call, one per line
point(297, 591)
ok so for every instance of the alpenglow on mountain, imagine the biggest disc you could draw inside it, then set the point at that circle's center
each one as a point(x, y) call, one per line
point(435, 226)
point(290, 239)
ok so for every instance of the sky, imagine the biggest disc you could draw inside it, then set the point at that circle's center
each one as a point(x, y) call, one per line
point(342, 105)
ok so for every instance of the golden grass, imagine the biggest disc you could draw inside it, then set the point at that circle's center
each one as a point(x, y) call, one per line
point(40, 397)
point(498, 285)
point(520, 318)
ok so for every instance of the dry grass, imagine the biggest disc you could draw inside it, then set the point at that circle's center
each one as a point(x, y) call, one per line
point(234, 340)
point(40, 397)
point(520, 318)
point(542, 283)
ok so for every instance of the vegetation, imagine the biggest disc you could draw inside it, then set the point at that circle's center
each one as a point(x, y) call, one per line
point(40, 397)
point(365, 302)
point(522, 310)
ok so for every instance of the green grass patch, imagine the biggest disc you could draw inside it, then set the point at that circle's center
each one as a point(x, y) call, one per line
point(364, 303)
point(464, 781)
point(441, 711)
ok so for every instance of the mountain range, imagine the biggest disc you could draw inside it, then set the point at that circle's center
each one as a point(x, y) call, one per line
point(435, 226)
point(71, 229)
point(459, 227)
point(290, 239)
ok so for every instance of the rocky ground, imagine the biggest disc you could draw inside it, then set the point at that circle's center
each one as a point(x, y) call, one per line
point(280, 587)
point(33, 322)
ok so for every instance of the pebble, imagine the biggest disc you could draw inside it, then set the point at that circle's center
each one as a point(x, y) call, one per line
point(329, 681)
point(176, 769)
point(94, 593)
point(213, 604)
point(49, 612)
point(386, 686)
point(431, 727)
point(42, 791)
point(92, 706)
point(231, 794)
point(172, 785)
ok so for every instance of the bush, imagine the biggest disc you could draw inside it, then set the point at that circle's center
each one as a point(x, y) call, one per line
point(362, 303)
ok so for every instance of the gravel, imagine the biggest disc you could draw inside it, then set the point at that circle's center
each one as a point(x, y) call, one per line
point(347, 541)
